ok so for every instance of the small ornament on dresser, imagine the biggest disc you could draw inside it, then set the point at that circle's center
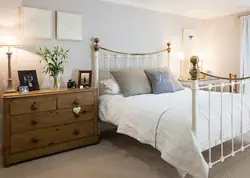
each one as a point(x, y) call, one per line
point(54, 63)
point(73, 84)
point(69, 84)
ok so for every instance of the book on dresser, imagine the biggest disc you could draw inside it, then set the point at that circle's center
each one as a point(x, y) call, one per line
point(44, 122)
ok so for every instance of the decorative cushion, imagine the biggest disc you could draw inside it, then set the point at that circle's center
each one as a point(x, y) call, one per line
point(132, 81)
point(109, 86)
point(178, 86)
point(163, 81)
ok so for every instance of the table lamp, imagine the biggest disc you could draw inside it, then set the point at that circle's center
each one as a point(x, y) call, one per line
point(9, 41)
point(181, 57)
point(201, 57)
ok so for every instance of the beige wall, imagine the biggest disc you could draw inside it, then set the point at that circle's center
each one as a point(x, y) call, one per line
point(123, 28)
point(221, 44)
point(119, 27)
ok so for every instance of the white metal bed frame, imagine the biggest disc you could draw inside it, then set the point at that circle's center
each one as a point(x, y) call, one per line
point(194, 72)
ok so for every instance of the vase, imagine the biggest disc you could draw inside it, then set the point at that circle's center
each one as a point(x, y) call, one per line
point(56, 81)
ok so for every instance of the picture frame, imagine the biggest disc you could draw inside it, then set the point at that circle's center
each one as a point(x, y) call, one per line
point(84, 78)
point(188, 36)
point(64, 31)
point(23, 89)
point(35, 23)
point(28, 78)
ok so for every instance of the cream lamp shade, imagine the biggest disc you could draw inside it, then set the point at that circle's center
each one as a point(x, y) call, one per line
point(181, 56)
point(9, 41)
point(202, 56)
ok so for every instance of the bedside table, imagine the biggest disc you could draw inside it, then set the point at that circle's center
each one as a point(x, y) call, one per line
point(202, 82)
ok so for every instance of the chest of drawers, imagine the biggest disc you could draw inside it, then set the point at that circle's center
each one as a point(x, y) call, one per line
point(43, 122)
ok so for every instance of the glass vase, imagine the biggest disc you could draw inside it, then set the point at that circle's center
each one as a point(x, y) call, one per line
point(56, 81)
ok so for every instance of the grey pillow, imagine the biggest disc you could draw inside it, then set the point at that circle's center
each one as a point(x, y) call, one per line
point(163, 81)
point(132, 82)
point(178, 86)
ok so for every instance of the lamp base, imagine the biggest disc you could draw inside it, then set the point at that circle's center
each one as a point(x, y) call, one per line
point(10, 91)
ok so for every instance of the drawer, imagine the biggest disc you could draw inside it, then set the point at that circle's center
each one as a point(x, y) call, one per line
point(49, 136)
point(76, 99)
point(34, 121)
point(68, 116)
point(32, 104)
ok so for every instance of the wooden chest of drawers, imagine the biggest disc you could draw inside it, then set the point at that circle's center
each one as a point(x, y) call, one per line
point(43, 122)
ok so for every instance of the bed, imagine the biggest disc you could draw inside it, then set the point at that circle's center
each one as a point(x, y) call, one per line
point(181, 124)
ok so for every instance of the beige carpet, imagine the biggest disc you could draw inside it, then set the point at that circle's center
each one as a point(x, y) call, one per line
point(117, 157)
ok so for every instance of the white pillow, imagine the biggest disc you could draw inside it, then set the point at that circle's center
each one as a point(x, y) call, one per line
point(109, 86)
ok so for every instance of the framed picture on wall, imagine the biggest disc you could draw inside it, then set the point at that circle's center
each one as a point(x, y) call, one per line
point(68, 26)
point(189, 36)
point(36, 23)
point(84, 78)
point(28, 78)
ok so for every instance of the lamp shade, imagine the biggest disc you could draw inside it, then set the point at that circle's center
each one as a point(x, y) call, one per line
point(181, 56)
point(9, 40)
point(202, 55)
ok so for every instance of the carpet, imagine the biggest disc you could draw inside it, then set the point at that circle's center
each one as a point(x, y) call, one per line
point(118, 156)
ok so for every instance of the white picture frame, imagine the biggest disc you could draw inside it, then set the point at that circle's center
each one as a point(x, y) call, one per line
point(186, 34)
point(36, 23)
point(68, 26)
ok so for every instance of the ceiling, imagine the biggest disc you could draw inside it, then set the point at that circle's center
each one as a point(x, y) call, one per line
point(202, 9)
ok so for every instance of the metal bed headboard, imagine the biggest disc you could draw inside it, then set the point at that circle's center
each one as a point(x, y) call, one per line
point(115, 59)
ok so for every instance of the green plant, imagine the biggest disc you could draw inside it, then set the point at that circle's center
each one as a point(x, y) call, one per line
point(54, 61)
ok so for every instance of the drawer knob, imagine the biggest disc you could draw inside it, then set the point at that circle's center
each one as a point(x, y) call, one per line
point(84, 112)
point(76, 115)
point(34, 122)
point(76, 132)
point(76, 102)
point(34, 140)
point(33, 107)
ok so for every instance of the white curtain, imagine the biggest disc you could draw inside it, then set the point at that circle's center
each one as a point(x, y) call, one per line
point(245, 50)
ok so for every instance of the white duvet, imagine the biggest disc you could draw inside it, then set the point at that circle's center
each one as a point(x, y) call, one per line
point(164, 121)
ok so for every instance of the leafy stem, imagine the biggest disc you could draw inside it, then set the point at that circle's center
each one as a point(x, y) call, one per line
point(54, 60)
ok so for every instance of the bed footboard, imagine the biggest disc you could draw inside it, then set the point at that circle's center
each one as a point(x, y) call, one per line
point(241, 106)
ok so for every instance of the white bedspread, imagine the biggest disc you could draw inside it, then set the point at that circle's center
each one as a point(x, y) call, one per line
point(138, 116)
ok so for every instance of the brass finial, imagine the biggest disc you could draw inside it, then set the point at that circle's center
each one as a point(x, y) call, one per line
point(169, 48)
point(96, 46)
point(194, 72)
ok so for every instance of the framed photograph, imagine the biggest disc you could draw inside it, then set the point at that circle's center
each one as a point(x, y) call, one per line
point(36, 23)
point(68, 26)
point(23, 89)
point(84, 78)
point(28, 78)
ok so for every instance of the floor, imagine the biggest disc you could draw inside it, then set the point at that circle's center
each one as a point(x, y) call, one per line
point(117, 157)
